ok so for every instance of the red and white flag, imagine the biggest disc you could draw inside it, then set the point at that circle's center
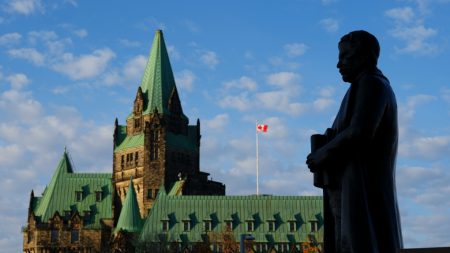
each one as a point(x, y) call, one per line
point(262, 128)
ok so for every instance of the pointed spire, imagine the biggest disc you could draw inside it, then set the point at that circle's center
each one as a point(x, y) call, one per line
point(130, 218)
point(158, 81)
point(64, 167)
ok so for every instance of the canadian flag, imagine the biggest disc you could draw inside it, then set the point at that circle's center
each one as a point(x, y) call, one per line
point(262, 128)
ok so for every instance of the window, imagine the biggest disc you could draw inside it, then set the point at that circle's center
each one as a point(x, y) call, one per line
point(153, 145)
point(292, 226)
point(54, 236)
point(229, 224)
point(98, 196)
point(30, 236)
point(207, 225)
point(186, 225)
point(284, 247)
point(165, 225)
point(74, 236)
point(250, 226)
point(271, 224)
point(79, 195)
point(313, 226)
point(149, 194)
point(137, 123)
point(136, 158)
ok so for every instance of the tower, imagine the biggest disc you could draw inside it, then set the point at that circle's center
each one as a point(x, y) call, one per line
point(157, 146)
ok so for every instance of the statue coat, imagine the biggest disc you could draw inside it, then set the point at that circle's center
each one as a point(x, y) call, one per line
point(359, 167)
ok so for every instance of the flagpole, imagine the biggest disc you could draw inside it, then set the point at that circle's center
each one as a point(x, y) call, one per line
point(257, 160)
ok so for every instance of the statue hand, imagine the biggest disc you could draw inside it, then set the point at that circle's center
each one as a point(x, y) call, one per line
point(315, 160)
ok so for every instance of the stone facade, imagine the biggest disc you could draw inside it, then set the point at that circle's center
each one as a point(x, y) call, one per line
point(64, 234)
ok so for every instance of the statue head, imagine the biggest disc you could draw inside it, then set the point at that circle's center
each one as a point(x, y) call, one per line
point(358, 51)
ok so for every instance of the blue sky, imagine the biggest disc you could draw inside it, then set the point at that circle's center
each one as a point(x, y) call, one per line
point(69, 68)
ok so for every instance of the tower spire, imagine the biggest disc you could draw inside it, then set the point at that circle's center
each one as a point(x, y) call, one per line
point(158, 82)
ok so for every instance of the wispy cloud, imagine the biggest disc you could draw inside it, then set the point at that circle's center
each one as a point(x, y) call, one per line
point(25, 7)
point(28, 54)
point(330, 24)
point(185, 80)
point(410, 28)
point(84, 66)
point(10, 39)
point(295, 49)
point(210, 59)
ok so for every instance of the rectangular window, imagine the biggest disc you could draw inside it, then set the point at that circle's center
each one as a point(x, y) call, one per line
point(271, 225)
point(74, 236)
point(79, 196)
point(186, 225)
point(229, 224)
point(54, 237)
point(98, 196)
point(250, 226)
point(284, 247)
point(292, 226)
point(207, 225)
point(313, 226)
point(165, 225)
point(149, 194)
point(136, 158)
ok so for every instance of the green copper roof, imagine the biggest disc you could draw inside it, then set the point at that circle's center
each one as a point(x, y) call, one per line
point(130, 142)
point(158, 81)
point(238, 209)
point(130, 218)
point(60, 195)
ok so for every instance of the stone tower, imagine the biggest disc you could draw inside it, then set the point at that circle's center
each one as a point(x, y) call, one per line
point(157, 146)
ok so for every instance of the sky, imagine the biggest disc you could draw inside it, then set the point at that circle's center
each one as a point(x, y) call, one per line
point(68, 68)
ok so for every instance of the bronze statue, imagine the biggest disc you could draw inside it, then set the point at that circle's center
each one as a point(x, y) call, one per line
point(354, 161)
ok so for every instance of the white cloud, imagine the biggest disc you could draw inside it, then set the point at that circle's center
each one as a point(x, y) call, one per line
point(81, 33)
point(10, 39)
point(330, 24)
point(283, 79)
point(173, 52)
point(295, 49)
point(245, 83)
point(130, 43)
point(327, 91)
point(185, 80)
point(322, 104)
point(134, 67)
point(281, 99)
point(209, 58)
point(28, 54)
point(18, 81)
point(84, 66)
point(405, 14)
point(218, 123)
point(240, 101)
point(415, 39)
point(25, 7)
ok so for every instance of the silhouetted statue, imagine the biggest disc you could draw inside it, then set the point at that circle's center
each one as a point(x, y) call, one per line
point(354, 161)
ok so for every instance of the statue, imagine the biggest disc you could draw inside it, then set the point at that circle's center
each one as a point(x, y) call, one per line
point(354, 160)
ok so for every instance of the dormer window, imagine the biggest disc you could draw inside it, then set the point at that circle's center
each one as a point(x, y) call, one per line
point(79, 196)
point(292, 226)
point(165, 225)
point(98, 196)
point(207, 225)
point(313, 225)
point(271, 225)
point(229, 224)
point(186, 225)
point(250, 225)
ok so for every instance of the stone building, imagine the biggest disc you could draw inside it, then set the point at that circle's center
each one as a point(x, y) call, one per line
point(156, 192)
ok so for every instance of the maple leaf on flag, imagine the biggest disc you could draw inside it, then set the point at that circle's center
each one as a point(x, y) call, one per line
point(262, 128)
